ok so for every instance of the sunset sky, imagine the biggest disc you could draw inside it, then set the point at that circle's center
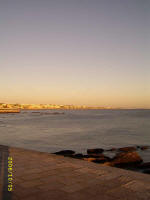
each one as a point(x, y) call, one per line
point(84, 52)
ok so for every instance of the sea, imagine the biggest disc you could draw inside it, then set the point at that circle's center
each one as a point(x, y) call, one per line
point(79, 130)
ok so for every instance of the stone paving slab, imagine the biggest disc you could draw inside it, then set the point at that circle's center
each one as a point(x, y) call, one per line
point(45, 176)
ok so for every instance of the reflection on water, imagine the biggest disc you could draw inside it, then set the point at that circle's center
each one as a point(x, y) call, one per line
point(76, 129)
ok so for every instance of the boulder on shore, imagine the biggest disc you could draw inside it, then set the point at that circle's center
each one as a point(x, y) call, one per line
point(95, 151)
point(78, 155)
point(144, 165)
point(144, 147)
point(147, 171)
point(94, 155)
point(100, 159)
point(125, 160)
point(127, 149)
point(65, 152)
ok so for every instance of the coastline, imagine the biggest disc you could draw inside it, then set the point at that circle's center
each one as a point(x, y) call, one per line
point(65, 107)
point(81, 137)
point(125, 157)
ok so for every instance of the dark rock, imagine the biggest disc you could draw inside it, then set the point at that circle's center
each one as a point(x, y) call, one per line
point(125, 160)
point(86, 156)
point(147, 171)
point(65, 152)
point(137, 146)
point(101, 156)
point(94, 155)
point(144, 147)
point(127, 149)
point(100, 159)
point(95, 151)
point(144, 165)
point(79, 156)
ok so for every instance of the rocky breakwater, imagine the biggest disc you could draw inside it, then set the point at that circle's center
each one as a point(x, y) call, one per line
point(125, 157)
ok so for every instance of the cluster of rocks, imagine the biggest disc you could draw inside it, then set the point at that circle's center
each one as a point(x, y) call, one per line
point(126, 157)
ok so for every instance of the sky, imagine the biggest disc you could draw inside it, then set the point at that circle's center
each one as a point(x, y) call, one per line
point(80, 52)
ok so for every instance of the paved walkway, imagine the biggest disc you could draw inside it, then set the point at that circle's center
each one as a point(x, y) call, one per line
point(44, 176)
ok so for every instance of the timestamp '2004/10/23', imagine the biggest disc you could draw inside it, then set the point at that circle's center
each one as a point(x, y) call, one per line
point(10, 179)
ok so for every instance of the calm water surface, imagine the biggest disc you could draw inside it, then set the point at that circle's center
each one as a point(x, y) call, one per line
point(76, 129)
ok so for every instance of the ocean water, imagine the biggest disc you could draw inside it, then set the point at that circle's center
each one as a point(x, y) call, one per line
point(75, 129)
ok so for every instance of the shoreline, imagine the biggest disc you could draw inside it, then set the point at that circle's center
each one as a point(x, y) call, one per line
point(131, 159)
point(125, 157)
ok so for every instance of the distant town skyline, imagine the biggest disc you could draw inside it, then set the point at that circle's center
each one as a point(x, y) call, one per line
point(6, 106)
point(80, 52)
point(59, 106)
